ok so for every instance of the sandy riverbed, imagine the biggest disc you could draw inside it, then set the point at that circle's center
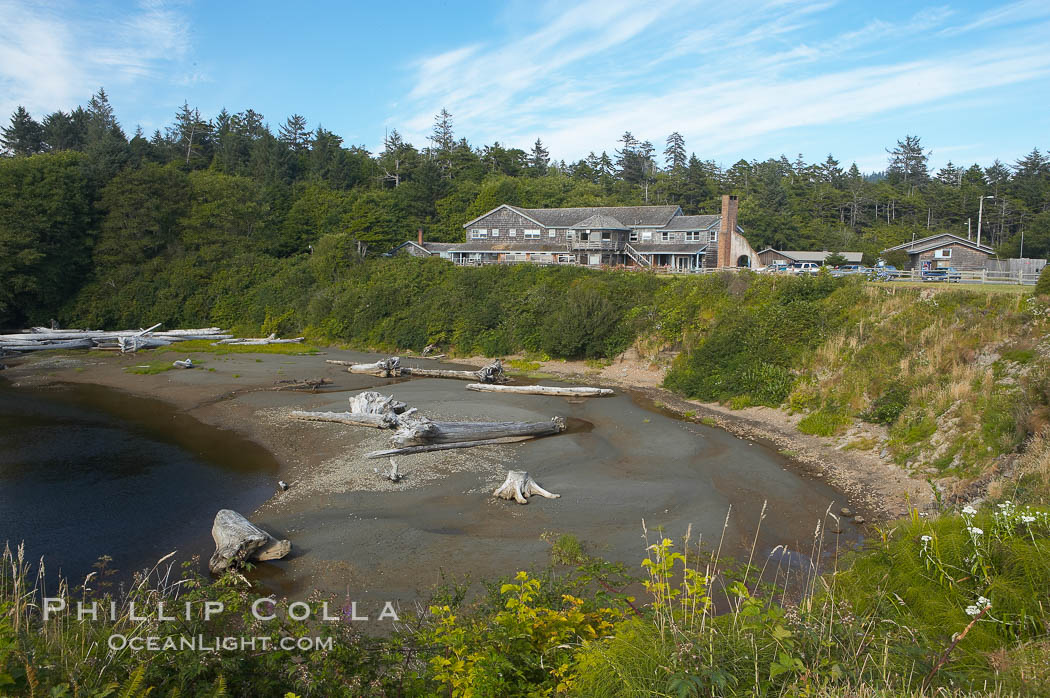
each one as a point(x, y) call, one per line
point(623, 460)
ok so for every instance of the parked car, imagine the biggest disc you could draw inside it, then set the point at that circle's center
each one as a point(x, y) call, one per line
point(849, 270)
point(804, 268)
point(886, 272)
point(948, 274)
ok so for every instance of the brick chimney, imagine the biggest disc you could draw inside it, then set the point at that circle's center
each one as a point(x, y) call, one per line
point(725, 231)
point(420, 237)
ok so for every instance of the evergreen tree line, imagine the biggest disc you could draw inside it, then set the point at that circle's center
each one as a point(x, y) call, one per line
point(84, 207)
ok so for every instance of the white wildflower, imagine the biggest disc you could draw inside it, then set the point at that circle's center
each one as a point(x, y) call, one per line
point(972, 611)
point(974, 531)
point(1027, 519)
point(927, 539)
point(969, 510)
point(983, 602)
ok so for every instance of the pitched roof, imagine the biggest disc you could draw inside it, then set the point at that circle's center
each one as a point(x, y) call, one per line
point(691, 223)
point(632, 216)
point(439, 246)
point(939, 240)
point(407, 243)
point(814, 255)
point(600, 221)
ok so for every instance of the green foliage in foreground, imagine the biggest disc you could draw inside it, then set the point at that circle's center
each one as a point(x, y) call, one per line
point(199, 346)
point(955, 605)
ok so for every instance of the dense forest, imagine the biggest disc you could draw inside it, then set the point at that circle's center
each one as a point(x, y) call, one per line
point(89, 216)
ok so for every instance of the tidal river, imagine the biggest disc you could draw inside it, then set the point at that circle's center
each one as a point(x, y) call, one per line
point(87, 470)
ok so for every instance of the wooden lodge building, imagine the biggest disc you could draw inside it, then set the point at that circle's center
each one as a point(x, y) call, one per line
point(632, 236)
point(945, 250)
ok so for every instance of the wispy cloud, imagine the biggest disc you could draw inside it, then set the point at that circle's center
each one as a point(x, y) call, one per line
point(599, 69)
point(54, 55)
point(1013, 13)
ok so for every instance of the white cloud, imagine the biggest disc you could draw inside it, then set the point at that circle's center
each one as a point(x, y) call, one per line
point(54, 55)
point(1013, 13)
point(602, 68)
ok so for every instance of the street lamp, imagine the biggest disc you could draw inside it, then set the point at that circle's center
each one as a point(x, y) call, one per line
point(980, 213)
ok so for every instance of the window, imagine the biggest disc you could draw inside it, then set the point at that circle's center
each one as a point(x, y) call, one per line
point(552, 233)
point(692, 237)
point(634, 236)
point(531, 233)
point(713, 237)
point(647, 235)
point(495, 232)
point(570, 234)
point(943, 254)
point(513, 232)
point(666, 236)
point(478, 234)
point(606, 236)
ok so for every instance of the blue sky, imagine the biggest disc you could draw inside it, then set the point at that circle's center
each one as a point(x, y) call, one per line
point(749, 78)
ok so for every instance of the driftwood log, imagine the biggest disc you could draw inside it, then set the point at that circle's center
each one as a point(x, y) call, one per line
point(367, 409)
point(384, 369)
point(541, 390)
point(304, 384)
point(493, 373)
point(385, 453)
point(237, 539)
point(519, 486)
point(42, 338)
point(423, 432)
point(262, 341)
point(355, 419)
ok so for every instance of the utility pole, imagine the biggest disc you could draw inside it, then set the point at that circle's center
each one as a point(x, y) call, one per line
point(980, 214)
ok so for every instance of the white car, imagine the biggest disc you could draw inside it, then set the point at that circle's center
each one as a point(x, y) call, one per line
point(805, 268)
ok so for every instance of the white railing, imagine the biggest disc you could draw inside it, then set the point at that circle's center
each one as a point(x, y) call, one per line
point(638, 257)
point(979, 276)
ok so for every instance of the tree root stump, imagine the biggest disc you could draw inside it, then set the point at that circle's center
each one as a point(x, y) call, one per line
point(519, 486)
point(237, 539)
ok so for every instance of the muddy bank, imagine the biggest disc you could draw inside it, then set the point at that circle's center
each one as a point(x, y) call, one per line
point(851, 463)
point(622, 461)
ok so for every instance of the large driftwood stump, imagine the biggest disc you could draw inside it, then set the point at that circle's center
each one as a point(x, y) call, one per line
point(237, 539)
point(541, 390)
point(421, 432)
point(372, 402)
point(384, 369)
point(519, 486)
point(367, 409)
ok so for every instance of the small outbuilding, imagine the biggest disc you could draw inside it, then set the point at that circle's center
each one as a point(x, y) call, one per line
point(945, 250)
point(769, 256)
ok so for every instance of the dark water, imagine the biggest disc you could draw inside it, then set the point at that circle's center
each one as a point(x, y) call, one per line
point(88, 471)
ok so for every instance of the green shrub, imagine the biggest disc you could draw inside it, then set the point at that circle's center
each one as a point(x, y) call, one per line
point(824, 422)
point(1042, 284)
point(887, 407)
